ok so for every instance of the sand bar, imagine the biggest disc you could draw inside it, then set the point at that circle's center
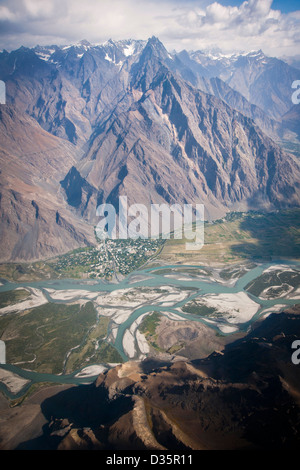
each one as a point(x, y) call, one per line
point(12, 381)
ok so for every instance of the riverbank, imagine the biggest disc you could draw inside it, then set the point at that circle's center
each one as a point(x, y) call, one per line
point(165, 290)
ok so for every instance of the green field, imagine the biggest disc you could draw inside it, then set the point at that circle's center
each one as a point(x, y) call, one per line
point(12, 297)
point(94, 350)
point(276, 280)
point(196, 308)
point(40, 338)
point(148, 328)
point(241, 237)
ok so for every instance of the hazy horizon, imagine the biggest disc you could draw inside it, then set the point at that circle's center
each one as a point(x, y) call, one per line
point(230, 26)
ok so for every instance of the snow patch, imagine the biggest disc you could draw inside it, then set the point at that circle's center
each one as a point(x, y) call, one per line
point(128, 50)
point(109, 59)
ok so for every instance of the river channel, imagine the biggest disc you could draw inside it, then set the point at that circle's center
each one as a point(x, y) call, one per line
point(149, 277)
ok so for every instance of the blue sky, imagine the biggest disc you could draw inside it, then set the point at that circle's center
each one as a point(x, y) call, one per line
point(229, 25)
point(285, 6)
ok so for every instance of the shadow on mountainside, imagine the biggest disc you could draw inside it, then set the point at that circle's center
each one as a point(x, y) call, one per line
point(275, 236)
point(250, 391)
point(265, 351)
point(84, 406)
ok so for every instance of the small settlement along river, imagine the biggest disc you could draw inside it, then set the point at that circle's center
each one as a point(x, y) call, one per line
point(139, 279)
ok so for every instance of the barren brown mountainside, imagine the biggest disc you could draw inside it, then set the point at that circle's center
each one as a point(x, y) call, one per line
point(187, 146)
point(128, 118)
point(35, 219)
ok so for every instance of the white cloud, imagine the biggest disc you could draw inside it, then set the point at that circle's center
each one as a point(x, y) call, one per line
point(253, 25)
point(42, 9)
point(6, 14)
point(197, 24)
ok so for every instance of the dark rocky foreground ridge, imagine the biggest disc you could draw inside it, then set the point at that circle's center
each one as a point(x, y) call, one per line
point(246, 397)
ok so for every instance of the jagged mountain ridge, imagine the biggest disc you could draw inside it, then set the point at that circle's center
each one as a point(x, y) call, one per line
point(184, 145)
point(195, 154)
point(263, 81)
point(98, 75)
point(133, 113)
point(67, 89)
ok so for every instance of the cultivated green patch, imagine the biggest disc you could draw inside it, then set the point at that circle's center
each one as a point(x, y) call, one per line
point(41, 337)
point(240, 237)
point(196, 308)
point(278, 282)
point(12, 297)
point(94, 349)
point(148, 328)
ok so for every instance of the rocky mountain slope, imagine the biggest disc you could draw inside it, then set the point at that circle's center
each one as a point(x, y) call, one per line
point(35, 219)
point(242, 398)
point(187, 146)
point(150, 125)
point(264, 81)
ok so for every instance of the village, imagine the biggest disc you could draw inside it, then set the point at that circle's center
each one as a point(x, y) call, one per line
point(109, 259)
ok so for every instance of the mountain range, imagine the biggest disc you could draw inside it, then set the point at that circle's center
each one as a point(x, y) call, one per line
point(84, 124)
